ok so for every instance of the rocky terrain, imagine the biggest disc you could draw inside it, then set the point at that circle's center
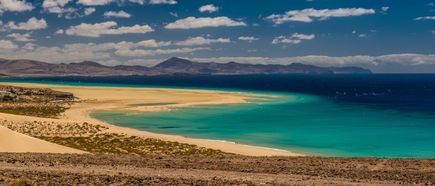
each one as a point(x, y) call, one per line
point(51, 169)
point(34, 102)
point(169, 67)
point(37, 94)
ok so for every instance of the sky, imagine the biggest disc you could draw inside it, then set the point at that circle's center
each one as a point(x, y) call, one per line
point(386, 36)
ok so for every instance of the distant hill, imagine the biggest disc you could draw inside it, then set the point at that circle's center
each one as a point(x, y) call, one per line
point(169, 67)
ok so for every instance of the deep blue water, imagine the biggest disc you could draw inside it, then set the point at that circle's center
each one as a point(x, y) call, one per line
point(334, 115)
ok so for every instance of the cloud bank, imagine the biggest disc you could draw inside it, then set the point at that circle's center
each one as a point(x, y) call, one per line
point(310, 14)
point(104, 28)
point(203, 22)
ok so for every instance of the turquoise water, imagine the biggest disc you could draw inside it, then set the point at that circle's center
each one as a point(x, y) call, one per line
point(307, 124)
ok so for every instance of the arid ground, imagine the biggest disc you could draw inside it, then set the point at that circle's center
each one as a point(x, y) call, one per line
point(55, 169)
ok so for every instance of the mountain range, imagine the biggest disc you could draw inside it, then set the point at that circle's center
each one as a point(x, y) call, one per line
point(171, 66)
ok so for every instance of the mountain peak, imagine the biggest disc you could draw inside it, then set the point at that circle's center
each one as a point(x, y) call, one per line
point(232, 63)
point(174, 62)
point(175, 58)
point(89, 63)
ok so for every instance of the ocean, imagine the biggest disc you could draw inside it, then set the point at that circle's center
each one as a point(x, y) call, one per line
point(379, 115)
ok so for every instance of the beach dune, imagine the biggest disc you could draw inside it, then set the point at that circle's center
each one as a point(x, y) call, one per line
point(11, 141)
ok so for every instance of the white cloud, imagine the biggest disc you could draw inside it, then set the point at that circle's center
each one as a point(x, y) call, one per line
point(144, 53)
point(309, 15)
point(385, 9)
point(195, 41)
point(101, 51)
point(151, 43)
point(408, 59)
point(59, 55)
point(94, 2)
point(296, 38)
point(120, 14)
point(6, 44)
point(303, 36)
point(71, 13)
point(170, 2)
point(425, 18)
point(32, 24)
point(141, 2)
point(29, 46)
point(174, 14)
point(362, 35)
point(15, 6)
point(65, 54)
point(112, 46)
point(202, 22)
point(89, 11)
point(60, 31)
point(55, 6)
point(108, 51)
point(106, 2)
point(210, 8)
point(105, 28)
point(58, 7)
point(247, 38)
point(20, 37)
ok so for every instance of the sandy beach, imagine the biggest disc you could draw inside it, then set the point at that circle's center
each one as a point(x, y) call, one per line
point(137, 99)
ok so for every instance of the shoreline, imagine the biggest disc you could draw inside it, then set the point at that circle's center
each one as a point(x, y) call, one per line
point(93, 99)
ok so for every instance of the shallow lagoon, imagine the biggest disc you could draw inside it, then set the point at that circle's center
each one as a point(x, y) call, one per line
point(300, 123)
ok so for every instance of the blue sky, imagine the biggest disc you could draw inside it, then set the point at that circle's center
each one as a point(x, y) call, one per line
point(383, 35)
